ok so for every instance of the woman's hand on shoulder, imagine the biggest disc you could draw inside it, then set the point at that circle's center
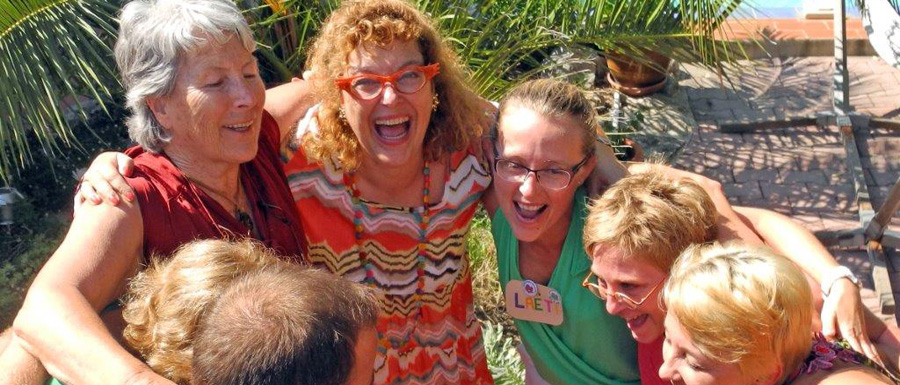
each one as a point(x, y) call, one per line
point(104, 181)
point(844, 315)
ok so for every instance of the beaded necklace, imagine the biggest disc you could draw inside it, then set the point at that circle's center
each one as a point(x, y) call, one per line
point(421, 250)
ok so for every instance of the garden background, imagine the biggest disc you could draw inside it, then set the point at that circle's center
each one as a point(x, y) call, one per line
point(61, 102)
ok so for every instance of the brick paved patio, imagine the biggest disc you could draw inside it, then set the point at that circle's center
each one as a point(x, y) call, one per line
point(798, 171)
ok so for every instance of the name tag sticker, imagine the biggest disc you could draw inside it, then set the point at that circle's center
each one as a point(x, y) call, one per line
point(529, 301)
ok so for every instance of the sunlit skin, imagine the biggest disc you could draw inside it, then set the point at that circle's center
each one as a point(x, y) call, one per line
point(215, 108)
point(635, 279)
point(534, 212)
point(685, 364)
point(364, 358)
point(391, 127)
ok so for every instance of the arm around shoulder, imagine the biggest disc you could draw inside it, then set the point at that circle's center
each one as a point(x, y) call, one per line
point(59, 322)
point(288, 103)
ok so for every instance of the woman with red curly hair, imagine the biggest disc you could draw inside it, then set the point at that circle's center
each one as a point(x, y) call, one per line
point(386, 175)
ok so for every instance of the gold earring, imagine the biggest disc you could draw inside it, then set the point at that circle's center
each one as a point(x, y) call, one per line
point(435, 103)
point(341, 115)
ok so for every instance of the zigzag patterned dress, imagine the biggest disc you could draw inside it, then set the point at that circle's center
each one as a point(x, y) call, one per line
point(441, 342)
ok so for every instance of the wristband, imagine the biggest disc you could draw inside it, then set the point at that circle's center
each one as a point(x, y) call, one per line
point(833, 275)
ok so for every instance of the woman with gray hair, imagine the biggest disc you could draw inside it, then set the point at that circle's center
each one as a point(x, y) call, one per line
point(207, 166)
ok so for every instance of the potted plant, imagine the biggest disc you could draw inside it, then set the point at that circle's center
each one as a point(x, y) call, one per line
point(640, 38)
point(635, 77)
point(493, 38)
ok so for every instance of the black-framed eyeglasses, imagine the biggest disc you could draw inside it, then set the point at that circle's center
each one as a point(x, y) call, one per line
point(551, 178)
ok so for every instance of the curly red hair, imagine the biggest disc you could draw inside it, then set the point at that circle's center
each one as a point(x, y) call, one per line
point(460, 116)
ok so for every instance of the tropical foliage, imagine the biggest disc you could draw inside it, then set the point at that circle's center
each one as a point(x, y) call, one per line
point(54, 51)
point(51, 53)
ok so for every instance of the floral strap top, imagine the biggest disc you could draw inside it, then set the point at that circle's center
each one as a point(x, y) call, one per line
point(822, 357)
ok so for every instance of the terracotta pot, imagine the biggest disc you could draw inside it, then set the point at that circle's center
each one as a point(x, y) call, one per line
point(634, 78)
point(634, 153)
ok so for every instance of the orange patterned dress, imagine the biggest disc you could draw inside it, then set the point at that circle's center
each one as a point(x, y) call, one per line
point(432, 338)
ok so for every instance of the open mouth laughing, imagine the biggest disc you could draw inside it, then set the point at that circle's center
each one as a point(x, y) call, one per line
point(392, 130)
point(529, 212)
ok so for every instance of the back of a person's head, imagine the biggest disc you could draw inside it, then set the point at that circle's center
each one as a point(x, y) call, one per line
point(165, 302)
point(742, 304)
point(651, 217)
point(283, 324)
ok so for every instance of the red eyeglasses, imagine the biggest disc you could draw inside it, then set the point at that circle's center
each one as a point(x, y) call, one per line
point(407, 80)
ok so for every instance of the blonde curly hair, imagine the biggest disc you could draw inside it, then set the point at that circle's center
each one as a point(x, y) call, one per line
point(460, 117)
point(166, 301)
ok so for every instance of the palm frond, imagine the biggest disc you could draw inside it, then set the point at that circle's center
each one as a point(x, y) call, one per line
point(52, 53)
point(684, 30)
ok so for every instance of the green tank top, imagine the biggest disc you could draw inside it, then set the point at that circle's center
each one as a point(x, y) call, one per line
point(591, 346)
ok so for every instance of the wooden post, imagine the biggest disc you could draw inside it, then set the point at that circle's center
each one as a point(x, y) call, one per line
point(841, 100)
point(882, 218)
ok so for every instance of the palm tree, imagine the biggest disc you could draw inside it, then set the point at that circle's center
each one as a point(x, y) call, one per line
point(61, 49)
point(51, 53)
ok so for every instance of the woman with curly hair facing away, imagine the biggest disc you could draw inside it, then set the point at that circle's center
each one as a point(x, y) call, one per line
point(226, 313)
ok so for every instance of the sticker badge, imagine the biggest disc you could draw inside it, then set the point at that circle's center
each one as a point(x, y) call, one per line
point(530, 288)
point(529, 301)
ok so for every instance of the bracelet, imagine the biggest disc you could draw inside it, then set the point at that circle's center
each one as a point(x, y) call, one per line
point(834, 275)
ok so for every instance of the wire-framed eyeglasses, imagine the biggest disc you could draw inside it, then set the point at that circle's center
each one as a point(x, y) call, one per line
point(603, 292)
point(551, 178)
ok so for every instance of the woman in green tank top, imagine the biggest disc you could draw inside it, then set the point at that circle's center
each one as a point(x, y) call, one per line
point(543, 152)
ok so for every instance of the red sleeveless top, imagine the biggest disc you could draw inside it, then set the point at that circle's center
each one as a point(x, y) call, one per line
point(650, 359)
point(176, 211)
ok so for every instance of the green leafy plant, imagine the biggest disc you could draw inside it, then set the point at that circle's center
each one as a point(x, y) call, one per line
point(52, 52)
point(503, 360)
point(56, 50)
point(27, 244)
point(684, 30)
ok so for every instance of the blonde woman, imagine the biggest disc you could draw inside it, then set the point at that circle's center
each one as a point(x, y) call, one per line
point(635, 232)
point(221, 312)
point(741, 315)
point(165, 302)
point(543, 152)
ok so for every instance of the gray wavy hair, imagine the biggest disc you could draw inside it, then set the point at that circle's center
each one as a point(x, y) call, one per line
point(153, 37)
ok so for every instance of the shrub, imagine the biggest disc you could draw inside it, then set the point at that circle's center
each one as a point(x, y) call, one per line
point(43, 216)
point(27, 245)
point(48, 182)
